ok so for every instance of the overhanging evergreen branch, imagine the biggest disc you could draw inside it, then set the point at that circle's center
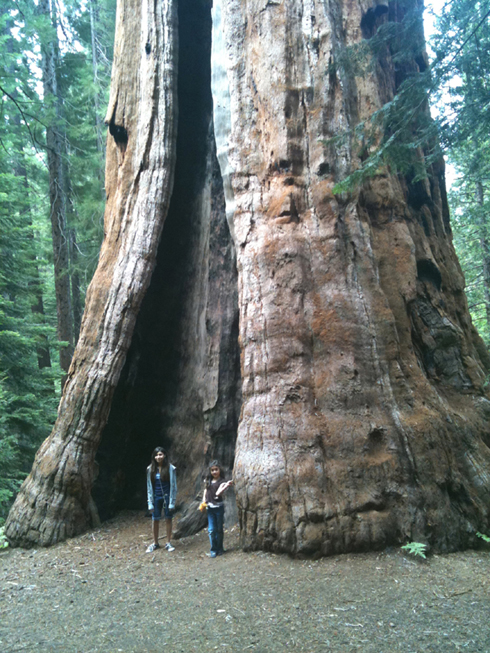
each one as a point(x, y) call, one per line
point(23, 113)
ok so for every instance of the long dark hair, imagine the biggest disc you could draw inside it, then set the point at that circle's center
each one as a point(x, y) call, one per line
point(165, 474)
point(209, 478)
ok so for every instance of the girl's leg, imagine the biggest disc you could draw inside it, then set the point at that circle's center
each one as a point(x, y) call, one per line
point(168, 523)
point(156, 528)
point(219, 530)
point(212, 529)
point(155, 525)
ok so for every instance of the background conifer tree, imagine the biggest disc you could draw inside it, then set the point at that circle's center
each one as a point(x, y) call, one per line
point(29, 386)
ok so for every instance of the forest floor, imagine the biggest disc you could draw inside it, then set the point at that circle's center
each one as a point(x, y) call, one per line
point(102, 593)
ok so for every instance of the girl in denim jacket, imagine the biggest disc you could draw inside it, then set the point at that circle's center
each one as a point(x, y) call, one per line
point(161, 483)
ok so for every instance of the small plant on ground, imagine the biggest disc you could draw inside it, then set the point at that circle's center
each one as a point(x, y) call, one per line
point(416, 548)
point(485, 538)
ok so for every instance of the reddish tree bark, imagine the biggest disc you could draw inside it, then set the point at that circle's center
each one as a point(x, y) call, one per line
point(364, 418)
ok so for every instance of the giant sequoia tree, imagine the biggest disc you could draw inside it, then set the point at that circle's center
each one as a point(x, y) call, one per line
point(354, 367)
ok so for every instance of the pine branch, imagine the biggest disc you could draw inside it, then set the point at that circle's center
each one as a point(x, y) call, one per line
point(23, 114)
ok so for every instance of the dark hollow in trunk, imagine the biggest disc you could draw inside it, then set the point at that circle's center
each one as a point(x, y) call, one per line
point(180, 386)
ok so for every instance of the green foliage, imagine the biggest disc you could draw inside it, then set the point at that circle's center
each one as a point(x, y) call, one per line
point(85, 85)
point(462, 62)
point(485, 538)
point(415, 549)
point(29, 368)
point(27, 393)
point(401, 135)
point(471, 228)
point(28, 398)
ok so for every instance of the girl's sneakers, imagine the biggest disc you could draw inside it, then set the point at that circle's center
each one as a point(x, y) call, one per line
point(152, 547)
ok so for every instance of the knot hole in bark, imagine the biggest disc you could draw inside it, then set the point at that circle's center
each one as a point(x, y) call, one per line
point(375, 441)
point(323, 169)
point(119, 134)
point(428, 271)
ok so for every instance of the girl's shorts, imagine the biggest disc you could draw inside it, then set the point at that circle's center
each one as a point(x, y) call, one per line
point(161, 505)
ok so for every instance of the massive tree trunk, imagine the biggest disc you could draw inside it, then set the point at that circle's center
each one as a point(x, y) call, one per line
point(364, 419)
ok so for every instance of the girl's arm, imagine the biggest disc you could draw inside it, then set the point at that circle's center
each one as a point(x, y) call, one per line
point(149, 489)
point(203, 504)
point(223, 487)
point(173, 487)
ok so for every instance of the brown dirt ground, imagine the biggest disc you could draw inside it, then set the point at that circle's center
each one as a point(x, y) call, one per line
point(102, 592)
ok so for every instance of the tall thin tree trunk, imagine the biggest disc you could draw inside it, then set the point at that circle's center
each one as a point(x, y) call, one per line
point(74, 274)
point(485, 251)
point(35, 284)
point(42, 349)
point(75, 284)
point(57, 195)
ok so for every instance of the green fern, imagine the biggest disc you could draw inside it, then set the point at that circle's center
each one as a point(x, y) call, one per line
point(416, 549)
point(485, 538)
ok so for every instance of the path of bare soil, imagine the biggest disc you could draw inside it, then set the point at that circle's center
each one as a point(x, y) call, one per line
point(102, 593)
